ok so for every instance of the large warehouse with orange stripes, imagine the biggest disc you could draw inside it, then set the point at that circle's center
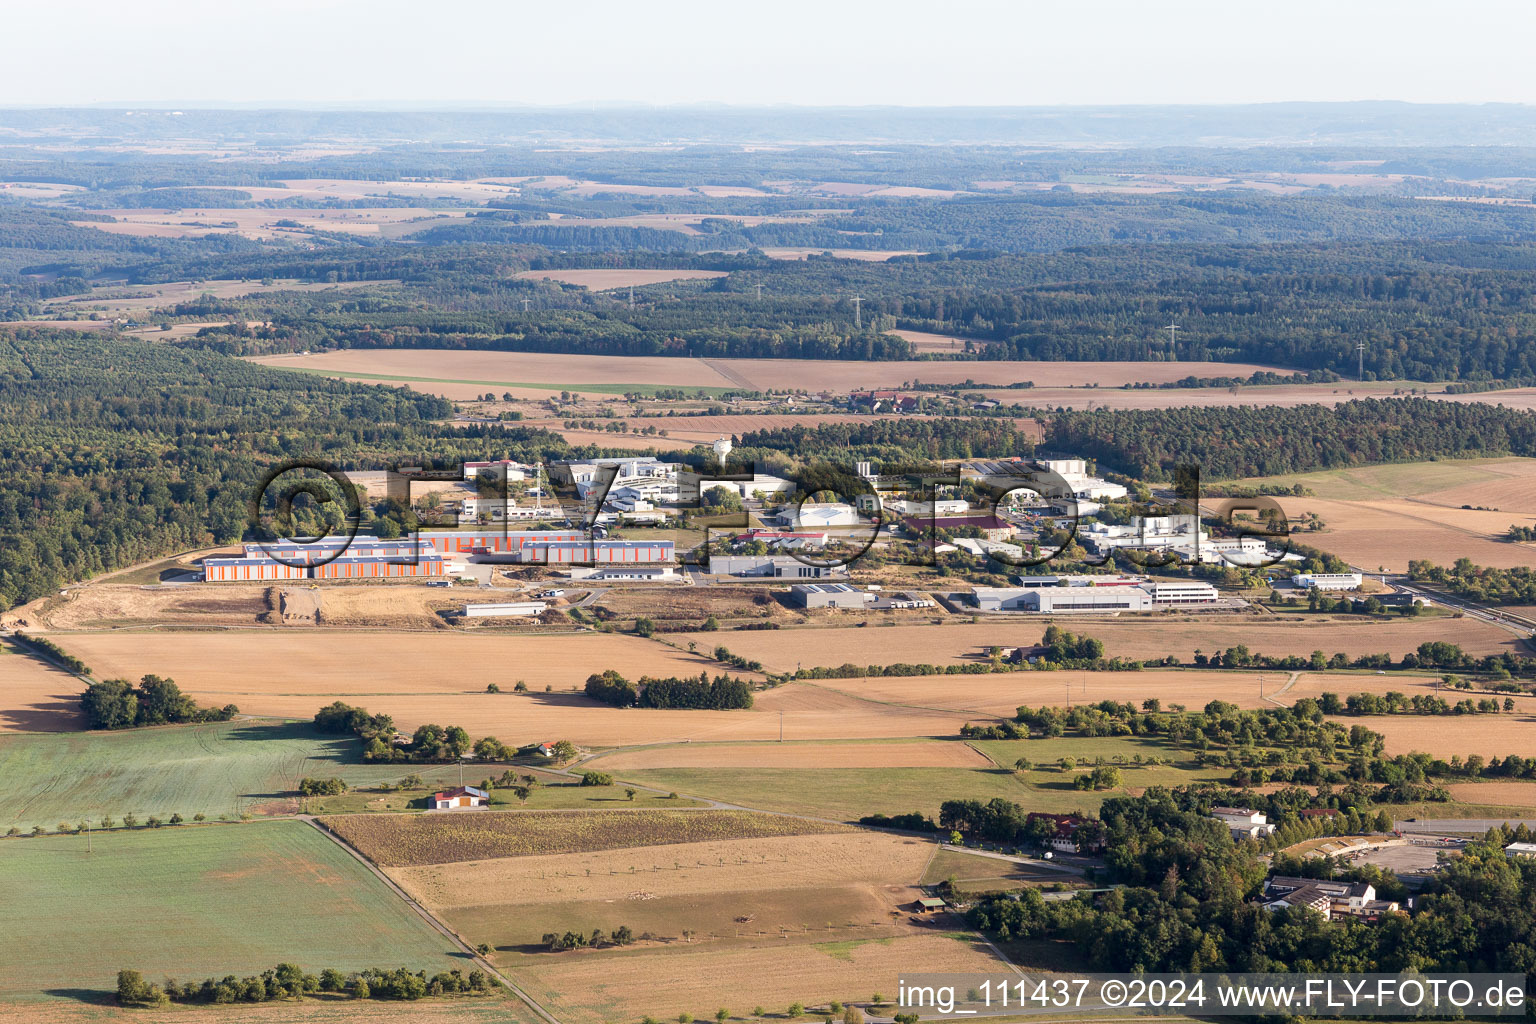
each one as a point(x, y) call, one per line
point(367, 557)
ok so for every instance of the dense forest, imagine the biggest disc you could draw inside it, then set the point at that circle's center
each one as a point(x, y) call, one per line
point(114, 452)
point(1457, 311)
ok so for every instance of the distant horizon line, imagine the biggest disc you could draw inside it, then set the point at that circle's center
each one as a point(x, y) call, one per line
point(595, 106)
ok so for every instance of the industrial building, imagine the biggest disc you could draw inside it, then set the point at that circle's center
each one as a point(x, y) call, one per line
point(1244, 821)
point(348, 567)
point(504, 609)
point(1060, 600)
point(829, 595)
point(1328, 580)
point(230, 570)
point(578, 550)
point(513, 470)
point(991, 527)
point(1057, 594)
point(329, 558)
point(634, 573)
point(773, 566)
point(628, 472)
point(1071, 472)
point(814, 515)
point(497, 542)
point(1182, 592)
point(499, 510)
point(765, 484)
point(428, 554)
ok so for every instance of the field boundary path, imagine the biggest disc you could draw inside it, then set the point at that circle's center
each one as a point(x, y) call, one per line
point(730, 375)
point(1273, 698)
point(427, 916)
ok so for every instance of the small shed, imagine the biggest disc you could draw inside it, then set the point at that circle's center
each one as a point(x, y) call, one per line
point(931, 905)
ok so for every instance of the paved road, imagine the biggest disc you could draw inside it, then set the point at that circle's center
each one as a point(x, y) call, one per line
point(1478, 825)
point(1516, 624)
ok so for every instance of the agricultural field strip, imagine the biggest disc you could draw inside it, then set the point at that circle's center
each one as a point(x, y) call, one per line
point(413, 840)
point(430, 918)
point(677, 869)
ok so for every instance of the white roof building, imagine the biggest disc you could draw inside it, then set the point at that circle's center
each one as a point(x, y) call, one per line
point(1328, 580)
point(811, 516)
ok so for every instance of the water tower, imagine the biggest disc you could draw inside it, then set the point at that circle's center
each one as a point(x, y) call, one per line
point(722, 449)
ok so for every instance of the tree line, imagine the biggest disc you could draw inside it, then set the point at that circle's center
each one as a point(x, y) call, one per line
point(118, 704)
point(723, 692)
point(289, 981)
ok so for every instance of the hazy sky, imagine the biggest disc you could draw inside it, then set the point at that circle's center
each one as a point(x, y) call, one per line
point(450, 52)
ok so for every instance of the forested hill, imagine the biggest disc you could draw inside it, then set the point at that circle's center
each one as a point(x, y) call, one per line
point(1241, 441)
point(1225, 442)
point(1424, 311)
point(113, 451)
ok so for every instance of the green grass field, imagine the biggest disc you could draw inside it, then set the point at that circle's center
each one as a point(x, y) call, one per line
point(223, 768)
point(988, 874)
point(194, 902)
point(847, 794)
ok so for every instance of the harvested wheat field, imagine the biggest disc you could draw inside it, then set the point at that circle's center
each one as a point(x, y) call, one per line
point(1387, 533)
point(595, 989)
point(442, 677)
point(1279, 395)
point(1126, 637)
point(1504, 794)
point(262, 223)
point(678, 869)
point(1447, 735)
point(494, 1009)
point(1440, 479)
point(837, 887)
point(499, 369)
point(601, 438)
point(349, 664)
point(495, 369)
point(402, 840)
point(35, 696)
point(846, 375)
point(998, 695)
point(799, 755)
point(536, 717)
point(601, 279)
